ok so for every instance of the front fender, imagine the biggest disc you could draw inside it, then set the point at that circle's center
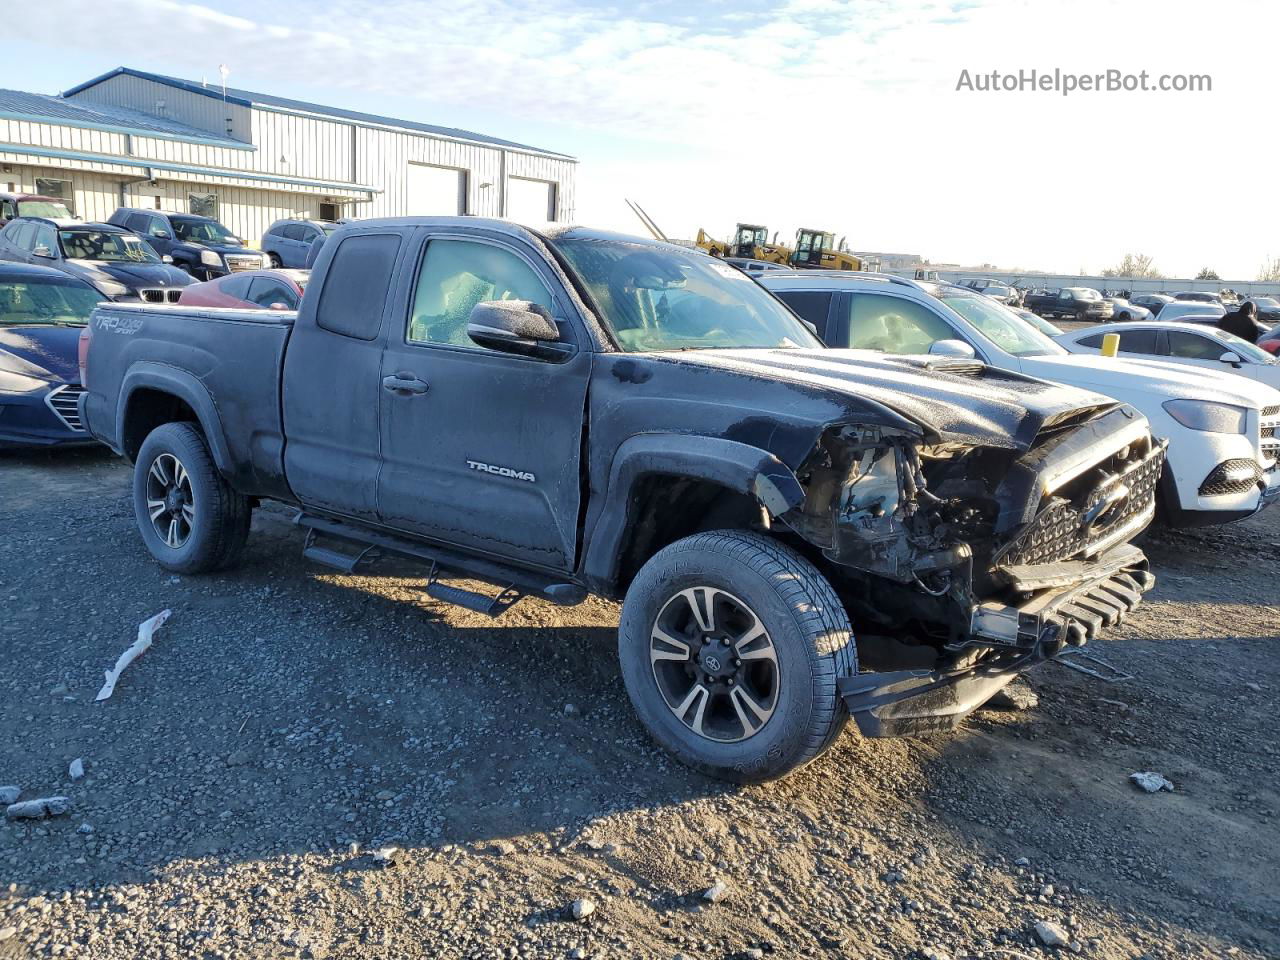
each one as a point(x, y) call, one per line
point(736, 466)
point(148, 375)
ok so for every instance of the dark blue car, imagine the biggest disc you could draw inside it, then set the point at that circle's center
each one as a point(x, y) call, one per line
point(42, 312)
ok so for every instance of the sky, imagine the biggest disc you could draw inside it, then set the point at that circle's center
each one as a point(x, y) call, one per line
point(842, 115)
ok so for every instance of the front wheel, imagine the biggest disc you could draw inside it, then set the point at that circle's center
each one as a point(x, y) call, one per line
point(276, 262)
point(731, 645)
point(190, 518)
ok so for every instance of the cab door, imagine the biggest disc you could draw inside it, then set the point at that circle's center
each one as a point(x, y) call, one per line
point(332, 389)
point(480, 448)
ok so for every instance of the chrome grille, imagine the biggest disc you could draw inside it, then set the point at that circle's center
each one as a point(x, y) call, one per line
point(1061, 530)
point(1270, 438)
point(235, 263)
point(64, 401)
point(160, 294)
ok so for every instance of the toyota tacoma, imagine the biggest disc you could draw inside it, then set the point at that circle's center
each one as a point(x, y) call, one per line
point(797, 534)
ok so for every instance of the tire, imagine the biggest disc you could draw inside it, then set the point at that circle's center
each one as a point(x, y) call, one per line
point(1123, 318)
point(203, 524)
point(746, 580)
point(276, 262)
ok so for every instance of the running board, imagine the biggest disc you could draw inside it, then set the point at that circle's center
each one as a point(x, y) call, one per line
point(473, 600)
point(441, 561)
point(327, 556)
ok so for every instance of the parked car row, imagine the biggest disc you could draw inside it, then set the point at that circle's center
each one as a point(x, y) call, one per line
point(1222, 463)
point(149, 255)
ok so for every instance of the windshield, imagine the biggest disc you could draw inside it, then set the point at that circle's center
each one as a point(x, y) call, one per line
point(54, 209)
point(1241, 346)
point(1001, 326)
point(328, 228)
point(203, 231)
point(102, 245)
point(1085, 293)
point(63, 303)
point(1267, 303)
point(659, 298)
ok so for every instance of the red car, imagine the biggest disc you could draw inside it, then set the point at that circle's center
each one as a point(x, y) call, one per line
point(272, 289)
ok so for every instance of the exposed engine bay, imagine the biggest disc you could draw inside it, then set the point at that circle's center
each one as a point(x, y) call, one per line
point(954, 559)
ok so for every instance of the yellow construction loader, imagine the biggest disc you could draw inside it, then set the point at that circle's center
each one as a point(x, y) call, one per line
point(817, 250)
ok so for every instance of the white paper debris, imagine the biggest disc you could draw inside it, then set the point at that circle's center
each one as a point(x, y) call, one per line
point(36, 809)
point(76, 771)
point(146, 630)
point(1150, 782)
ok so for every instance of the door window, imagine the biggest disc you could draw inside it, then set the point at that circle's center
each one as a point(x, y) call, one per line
point(264, 291)
point(811, 305)
point(1131, 341)
point(236, 286)
point(20, 235)
point(458, 274)
point(45, 237)
point(1193, 347)
point(294, 231)
point(894, 325)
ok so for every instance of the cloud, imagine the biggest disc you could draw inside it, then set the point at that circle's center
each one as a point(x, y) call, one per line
point(839, 113)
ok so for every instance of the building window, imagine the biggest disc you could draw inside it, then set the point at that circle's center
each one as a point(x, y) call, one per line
point(330, 211)
point(48, 187)
point(203, 204)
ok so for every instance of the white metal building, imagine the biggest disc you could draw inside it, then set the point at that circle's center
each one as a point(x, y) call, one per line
point(136, 139)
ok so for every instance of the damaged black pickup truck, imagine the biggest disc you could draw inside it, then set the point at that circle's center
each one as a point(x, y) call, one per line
point(798, 534)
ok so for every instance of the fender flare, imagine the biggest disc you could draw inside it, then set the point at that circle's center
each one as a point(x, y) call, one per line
point(736, 466)
point(184, 386)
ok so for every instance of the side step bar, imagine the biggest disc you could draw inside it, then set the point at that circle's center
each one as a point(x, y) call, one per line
point(513, 581)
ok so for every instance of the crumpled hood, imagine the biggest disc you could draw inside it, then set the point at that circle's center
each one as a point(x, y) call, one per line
point(1135, 381)
point(132, 275)
point(975, 404)
point(38, 350)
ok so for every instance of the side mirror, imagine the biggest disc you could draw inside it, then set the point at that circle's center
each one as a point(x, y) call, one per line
point(1230, 357)
point(517, 326)
point(42, 251)
point(952, 348)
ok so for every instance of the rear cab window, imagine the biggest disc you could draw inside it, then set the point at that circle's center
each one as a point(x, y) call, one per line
point(357, 284)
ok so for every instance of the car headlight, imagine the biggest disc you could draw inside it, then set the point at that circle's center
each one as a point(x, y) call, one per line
point(1208, 416)
point(210, 259)
point(110, 288)
point(18, 383)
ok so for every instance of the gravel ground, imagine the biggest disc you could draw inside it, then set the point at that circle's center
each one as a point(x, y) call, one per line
point(290, 722)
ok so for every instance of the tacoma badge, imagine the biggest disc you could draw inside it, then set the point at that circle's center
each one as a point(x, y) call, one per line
point(501, 471)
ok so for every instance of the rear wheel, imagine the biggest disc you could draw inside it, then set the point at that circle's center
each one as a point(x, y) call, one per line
point(190, 518)
point(731, 645)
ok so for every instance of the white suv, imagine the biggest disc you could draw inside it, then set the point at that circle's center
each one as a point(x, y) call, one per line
point(1222, 429)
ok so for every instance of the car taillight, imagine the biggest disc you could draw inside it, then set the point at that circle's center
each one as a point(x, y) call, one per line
point(82, 355)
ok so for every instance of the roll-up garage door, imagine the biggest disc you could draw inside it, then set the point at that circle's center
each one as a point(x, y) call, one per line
point(436, 191)
point(530, 201)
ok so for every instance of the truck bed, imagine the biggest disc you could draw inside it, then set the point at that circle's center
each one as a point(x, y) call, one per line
point(227, 364)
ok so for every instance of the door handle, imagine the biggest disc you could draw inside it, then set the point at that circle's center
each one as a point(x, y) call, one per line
point(405, 385)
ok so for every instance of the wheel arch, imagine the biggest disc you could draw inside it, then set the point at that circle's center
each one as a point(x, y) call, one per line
point(153, 394)
point(663, 487)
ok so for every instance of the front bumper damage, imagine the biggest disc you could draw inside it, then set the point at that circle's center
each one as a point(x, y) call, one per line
point(1064, 611)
